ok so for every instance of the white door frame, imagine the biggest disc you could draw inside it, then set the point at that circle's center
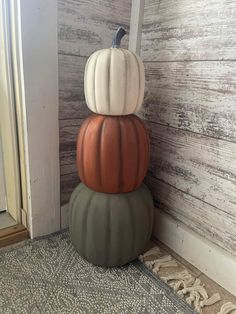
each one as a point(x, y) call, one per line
point(35, 65)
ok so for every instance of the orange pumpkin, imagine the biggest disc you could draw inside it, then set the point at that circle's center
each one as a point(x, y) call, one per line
point(112, 153)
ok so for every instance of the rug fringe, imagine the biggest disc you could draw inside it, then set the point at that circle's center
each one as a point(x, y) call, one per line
point(164, 261)
point(183, 283)
point(180, 276)
point(228, 308)
point(152, 251)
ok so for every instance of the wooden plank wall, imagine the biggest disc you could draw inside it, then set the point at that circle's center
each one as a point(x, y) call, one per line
point(189, 50)
point(83, 27)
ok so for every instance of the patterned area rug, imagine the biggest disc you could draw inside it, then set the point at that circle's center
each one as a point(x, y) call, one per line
point(48, 276)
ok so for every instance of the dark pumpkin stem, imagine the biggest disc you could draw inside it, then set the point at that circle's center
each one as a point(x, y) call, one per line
point(118, 36)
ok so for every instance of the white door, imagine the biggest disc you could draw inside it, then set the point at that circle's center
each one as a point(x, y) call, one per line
point(8, 128)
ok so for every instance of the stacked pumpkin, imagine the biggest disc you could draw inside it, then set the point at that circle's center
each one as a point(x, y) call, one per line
point(111, 211)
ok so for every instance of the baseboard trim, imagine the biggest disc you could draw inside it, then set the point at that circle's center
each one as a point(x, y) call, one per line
point(213, 261)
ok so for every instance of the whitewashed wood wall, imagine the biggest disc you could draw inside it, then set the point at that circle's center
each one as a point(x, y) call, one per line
point(83, 27)
point(189, 51)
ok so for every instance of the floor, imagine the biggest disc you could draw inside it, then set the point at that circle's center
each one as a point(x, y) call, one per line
point(6, 220)
point(211, 286)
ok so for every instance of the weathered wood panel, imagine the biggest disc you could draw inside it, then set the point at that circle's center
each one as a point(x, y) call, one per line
point(189, 30)
point(68, 184)
point(195, 96)
point(69, 176)
point(67, 162)
point(189, 49)
point(201, 217)
point(68, 133)
point(203, 167)
point(86, 26)
point(72, 111)
point(72, 103)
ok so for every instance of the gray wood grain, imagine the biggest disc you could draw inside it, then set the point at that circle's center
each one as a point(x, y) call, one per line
point(85, 26)
point(201, 217)
point(195, 96)
point(189, 53)
point(68, 162)
point(72, 103)
point(68, 133)
point(200, 166)
point(68, 184)
point(69, 175)
point(189, 30)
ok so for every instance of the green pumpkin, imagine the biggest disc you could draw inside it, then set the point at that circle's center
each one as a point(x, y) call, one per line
point(110, 229)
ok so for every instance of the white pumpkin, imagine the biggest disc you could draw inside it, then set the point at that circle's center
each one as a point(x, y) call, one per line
point(114, 80)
